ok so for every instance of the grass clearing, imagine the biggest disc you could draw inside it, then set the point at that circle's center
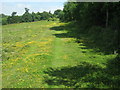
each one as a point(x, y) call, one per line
point(37, 55)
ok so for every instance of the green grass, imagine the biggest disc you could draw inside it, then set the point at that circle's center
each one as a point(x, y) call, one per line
point(37, 55)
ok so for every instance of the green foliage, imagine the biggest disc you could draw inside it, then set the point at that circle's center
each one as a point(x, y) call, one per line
point(100, 19)
point(13, 19)
point(57, 13)
point(4, 21)
point(45, 15)
point(52, 19)
point(27, 17)
point(69, 10)
point(35, 17)
point(61, 16)
point(13, 14)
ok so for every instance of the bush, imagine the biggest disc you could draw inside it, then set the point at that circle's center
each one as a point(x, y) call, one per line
point(4, 21)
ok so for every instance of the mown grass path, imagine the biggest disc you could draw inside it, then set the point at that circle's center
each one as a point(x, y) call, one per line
point(31, 52)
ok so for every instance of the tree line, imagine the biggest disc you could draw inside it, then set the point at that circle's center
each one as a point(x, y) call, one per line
point(100, 20)
point(30, 17)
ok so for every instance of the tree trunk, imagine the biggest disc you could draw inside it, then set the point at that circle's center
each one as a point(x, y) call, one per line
point(107, 17)
point(118, 41)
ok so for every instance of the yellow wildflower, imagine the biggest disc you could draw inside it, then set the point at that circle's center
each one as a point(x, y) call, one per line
point(31, 42)
point(26, 70)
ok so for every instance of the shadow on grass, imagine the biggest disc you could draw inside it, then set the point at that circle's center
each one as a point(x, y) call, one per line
point(57, 28)
point(85, 75)
point(90, 39)
point(64, 35)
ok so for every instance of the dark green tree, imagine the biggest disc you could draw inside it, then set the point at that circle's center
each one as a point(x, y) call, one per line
point(27, 17)
point(45, 15)
point(13, 18)
point(103, 16)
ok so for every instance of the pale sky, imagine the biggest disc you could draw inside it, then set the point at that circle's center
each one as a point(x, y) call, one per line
point(9, 6)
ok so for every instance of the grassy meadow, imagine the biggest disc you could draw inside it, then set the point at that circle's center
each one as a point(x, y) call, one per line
point(44, 54)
